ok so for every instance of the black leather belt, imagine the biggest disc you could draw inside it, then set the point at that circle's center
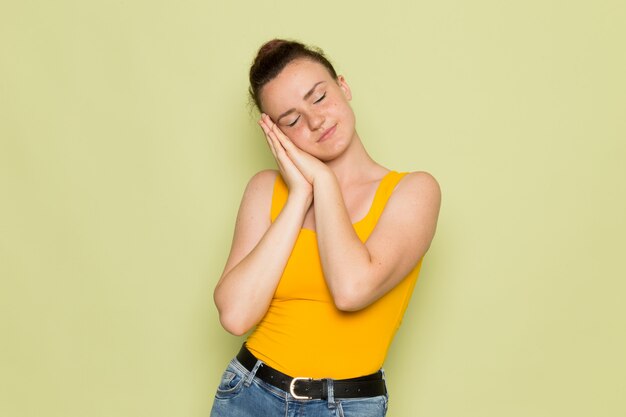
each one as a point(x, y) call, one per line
point(303, 388)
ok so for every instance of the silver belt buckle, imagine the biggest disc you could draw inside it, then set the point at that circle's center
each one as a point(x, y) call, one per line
point(292, 386)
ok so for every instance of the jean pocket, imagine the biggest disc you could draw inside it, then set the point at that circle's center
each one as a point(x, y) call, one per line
point(230, 384)
point(364, 407)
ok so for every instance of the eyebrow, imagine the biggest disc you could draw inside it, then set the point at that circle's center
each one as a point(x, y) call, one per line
point(306, 96)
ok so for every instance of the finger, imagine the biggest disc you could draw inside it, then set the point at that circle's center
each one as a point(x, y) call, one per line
point(265, 126)
point(282, 139)
point(278, 132)
point(266, 123)
point(280, 154)
point(283, 146)
point(274, 128)
point(268, 120)
point(270, 142)
point(271, 137)
point(284, 162)
point(290, 148)
point(275, 136)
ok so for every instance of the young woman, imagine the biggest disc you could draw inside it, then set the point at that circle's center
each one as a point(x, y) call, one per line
point(325, 254)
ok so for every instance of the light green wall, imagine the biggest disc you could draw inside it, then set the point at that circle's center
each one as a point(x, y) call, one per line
point(125, 144)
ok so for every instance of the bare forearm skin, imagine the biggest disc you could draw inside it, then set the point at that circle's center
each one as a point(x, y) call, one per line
point(346, 261)
point(245, 290)
point(358, 273)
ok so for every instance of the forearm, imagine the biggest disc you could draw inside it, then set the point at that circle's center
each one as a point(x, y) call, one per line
point(346, 261)
point(244, 291)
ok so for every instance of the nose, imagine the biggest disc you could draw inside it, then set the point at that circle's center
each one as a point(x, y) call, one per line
point(316, 121)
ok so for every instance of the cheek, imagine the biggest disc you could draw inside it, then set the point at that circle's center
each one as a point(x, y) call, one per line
point(339, 107)
point(343, 111)
point(298, 135)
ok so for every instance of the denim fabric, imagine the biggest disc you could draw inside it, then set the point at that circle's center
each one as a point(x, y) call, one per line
point(241, 394)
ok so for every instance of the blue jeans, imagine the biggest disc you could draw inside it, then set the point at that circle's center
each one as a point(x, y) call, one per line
point(241, 394)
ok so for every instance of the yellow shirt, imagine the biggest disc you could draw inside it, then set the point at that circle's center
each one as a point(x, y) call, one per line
point(303, 333)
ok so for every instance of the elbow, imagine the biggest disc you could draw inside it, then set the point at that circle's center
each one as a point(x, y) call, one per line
point(230, 316)
point(233, 324)
point(232, 319)
point(347, 306)
point(350, 300)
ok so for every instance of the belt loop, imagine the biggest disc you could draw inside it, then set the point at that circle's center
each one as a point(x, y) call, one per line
point(382, 372)
point(330, 391)
point(252, 373)
point(324, 392)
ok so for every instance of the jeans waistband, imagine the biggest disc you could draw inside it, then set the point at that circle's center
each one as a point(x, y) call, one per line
point(308, 388)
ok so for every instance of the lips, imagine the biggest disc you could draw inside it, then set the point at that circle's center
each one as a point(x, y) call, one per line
point(327, 133)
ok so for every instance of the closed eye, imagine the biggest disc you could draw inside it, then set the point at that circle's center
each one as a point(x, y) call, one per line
point(292, 124)
point(320, 99)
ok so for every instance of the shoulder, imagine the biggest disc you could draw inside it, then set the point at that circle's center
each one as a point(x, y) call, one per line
point(262, 183)
point(260, 188)
point(264, 178)
point(416, 194)
point(419, 184)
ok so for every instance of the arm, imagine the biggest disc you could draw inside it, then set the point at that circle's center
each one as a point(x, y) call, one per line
point(258, 255)
point(261, 249)
point(359, 273)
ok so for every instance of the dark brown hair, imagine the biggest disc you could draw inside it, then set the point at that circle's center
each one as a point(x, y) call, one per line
point(274, 56)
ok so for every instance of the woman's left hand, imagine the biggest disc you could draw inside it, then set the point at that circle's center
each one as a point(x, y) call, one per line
point(307, 164)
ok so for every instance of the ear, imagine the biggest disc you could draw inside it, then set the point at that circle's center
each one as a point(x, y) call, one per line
point(341, 81)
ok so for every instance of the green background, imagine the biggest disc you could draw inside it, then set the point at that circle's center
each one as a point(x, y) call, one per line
point(126, 141)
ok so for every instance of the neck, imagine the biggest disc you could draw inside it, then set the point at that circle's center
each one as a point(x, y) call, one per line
point(355, 165)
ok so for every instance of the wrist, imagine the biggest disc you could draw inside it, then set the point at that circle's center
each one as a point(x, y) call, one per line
point(301, 196)
point(323, 177)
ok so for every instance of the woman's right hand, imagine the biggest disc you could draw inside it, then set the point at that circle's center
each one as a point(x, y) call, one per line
point(296, 182)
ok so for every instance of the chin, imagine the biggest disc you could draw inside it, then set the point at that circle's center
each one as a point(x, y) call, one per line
point(333, 153)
